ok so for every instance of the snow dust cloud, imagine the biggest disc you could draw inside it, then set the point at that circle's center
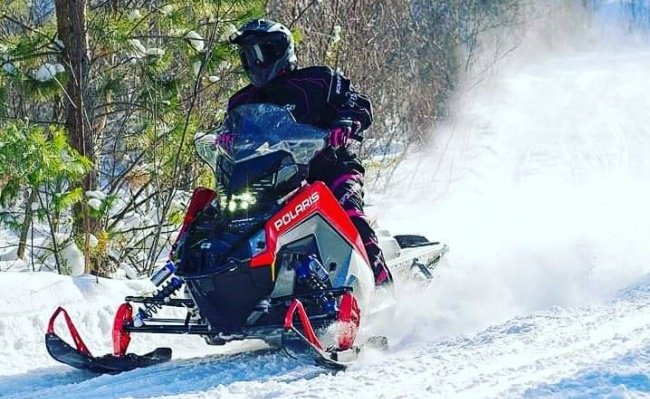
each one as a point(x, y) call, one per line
point(539, 182)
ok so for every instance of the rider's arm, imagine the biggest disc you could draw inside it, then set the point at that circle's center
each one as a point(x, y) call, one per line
point(246, 95)
point(347, 102)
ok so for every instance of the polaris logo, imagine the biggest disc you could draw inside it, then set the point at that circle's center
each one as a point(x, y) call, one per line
point(293, 214)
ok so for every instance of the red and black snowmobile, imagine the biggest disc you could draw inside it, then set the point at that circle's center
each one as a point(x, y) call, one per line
point(265, 256)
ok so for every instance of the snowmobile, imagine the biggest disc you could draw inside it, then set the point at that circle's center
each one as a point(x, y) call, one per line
point(264, 256)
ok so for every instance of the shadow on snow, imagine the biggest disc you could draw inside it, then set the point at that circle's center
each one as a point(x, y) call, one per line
point(175, 377)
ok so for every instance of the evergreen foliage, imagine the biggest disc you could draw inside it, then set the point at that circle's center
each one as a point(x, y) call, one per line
point(158, 72)
point(99, 129)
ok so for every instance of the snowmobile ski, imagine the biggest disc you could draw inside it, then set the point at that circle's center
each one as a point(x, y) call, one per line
point(81, 358)
point(336, 358)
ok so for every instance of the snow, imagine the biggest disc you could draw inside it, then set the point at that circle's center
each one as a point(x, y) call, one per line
point(196, 68)
point(95, 203)
point(92, 241)
point(227, 29)
point(336, 34)
point(100, 195)
point(168, 9)
point(59, 44)
point(9, 68)
point(134, 15)
point(196, 40)
point(224, 66)
point(539, 184)
point(139, 50)
point(73, 259)
point(47, 72)
point(155, 51)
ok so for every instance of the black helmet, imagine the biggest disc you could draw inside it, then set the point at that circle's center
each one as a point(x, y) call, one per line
point(266, 49)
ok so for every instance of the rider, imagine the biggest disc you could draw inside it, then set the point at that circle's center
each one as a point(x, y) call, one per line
point(318, 96)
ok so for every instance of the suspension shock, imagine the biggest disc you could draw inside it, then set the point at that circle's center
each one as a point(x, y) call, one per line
point(164, 292)
point(311, 273)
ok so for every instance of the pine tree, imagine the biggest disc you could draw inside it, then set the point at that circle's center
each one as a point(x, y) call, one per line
point(130, 82)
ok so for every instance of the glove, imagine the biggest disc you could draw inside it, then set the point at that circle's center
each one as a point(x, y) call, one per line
point(341, 132)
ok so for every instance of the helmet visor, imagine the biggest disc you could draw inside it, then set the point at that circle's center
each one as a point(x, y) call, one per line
point(262, 55)
point(261, 50)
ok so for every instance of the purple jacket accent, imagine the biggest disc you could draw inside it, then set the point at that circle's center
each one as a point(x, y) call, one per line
point(342, 179)
point(354, 213)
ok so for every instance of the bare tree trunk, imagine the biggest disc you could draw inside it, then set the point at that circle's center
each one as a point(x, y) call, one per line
point(27, 223)
point(71, 27)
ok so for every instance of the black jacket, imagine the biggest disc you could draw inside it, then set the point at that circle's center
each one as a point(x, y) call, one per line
point(317, 96)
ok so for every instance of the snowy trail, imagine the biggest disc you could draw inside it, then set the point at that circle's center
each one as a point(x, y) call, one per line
point(176, 377)
point(503, 360)
point(540, 186)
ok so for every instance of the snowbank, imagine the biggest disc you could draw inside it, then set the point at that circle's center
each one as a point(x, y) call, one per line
point(29, 299)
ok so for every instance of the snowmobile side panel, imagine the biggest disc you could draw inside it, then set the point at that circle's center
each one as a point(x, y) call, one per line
point(201, 197)
point(314, 198)
point(428, 255)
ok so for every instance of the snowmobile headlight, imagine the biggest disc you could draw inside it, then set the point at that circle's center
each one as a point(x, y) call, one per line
point(241, 201)
point(257, 243)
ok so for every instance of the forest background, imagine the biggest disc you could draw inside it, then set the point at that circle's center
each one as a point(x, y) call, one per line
point(100, 101)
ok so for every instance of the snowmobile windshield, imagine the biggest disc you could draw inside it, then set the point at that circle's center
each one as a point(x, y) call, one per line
point(260, 148)
point(256, 129)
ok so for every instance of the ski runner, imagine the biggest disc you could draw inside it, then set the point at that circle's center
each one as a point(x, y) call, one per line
point(317, 96)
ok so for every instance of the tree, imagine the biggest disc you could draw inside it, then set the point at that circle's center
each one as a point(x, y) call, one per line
point(72, 32)
point(131, 82)
point(31, 159)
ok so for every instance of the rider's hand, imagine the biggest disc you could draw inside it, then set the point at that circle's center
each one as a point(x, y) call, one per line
point(341, 131)
point(339, 136)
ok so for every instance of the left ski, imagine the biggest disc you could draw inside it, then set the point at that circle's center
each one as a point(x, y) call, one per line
point(107, 364)
point(81, 358)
